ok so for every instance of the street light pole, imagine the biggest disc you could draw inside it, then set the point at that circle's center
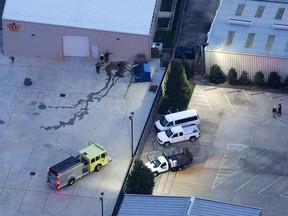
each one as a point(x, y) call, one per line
point(101, 199)
point(132, 148)
point(203, 45)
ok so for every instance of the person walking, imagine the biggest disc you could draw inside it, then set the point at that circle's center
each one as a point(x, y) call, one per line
point(274, 111)
point(279, 109)
point(97, 65)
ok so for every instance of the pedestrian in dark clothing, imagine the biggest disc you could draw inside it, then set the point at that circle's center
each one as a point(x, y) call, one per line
point(97, 65)
point(279, 109)
point(274, 111)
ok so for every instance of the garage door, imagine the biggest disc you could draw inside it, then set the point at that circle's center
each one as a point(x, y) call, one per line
point(75, 45)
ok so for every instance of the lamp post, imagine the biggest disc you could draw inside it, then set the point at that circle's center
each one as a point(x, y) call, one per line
point(101, 199)
point(203, 45)
point(132, 149)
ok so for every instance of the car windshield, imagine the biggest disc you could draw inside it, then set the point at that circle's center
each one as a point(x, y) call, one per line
point(169, 133)
point(156, 163)
point(163, 121)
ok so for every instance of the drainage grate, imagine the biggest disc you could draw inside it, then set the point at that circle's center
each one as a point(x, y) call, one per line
point(62, 95)
point(42, 106)
point(32, 173)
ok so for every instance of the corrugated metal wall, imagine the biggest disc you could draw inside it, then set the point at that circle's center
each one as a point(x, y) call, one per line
point(47, 41)
point(248, 63)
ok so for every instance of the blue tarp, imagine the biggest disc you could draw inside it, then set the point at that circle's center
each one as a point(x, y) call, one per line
point(142, 73)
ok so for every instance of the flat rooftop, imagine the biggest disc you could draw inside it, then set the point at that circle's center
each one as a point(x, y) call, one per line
point(133, 17)
point(250, 27)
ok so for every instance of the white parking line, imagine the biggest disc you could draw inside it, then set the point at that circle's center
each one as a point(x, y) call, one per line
point(247, 97)
point(270, 185)
point(227, 170)
point(165, 183)
point(270, 99)
point(206, 101)
point(229, 102)
point(284, 194)
point(259, 155)
point(199, 96)
point(247, 182)
point(155, 144)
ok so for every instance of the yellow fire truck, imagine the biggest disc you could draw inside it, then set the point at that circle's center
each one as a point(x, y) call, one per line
point(88, 160)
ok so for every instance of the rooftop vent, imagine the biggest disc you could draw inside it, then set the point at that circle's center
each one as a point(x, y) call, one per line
point(240, 22)
point(280, 26)
point(190, 206)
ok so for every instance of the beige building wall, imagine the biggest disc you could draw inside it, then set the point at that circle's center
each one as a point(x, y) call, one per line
point(47, 41)
point(248, 63)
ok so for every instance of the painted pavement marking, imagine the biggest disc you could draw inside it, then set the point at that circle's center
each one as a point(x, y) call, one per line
point(226, 169)
point(270, 185)
point(199, 101)
point(165, 183)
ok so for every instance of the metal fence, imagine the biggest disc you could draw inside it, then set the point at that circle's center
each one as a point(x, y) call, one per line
point(143, 139)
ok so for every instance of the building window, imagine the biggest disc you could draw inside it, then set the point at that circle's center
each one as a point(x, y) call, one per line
point(250, 40)
point(230, 37)
point(280, 13)
point(270, 41)
point(240, 9)
point(286, 48)
point(260, 11)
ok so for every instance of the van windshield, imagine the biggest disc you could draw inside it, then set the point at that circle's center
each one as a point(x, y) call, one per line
point(163, 121)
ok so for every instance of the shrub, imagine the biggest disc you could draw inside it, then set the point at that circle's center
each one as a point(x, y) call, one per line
point(178, 89)
point(140, 180)
point(274, 80)
point(232, 76)
point(216, 75)
point(259, 78)
point(188, 68)
point(244, 78)
point(286, 82)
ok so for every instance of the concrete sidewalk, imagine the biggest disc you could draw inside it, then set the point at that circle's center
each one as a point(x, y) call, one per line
point(66, 106)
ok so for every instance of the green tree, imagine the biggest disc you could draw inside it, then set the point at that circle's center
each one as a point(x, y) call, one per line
point(216, 75)
point(274, 80)
point(188, 69)
point(140, 180)
point(232, 76)
point(259, 78)
point(244, 78)
point(178, 90)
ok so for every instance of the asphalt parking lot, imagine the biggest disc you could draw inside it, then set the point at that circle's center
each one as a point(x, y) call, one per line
point(241, 156)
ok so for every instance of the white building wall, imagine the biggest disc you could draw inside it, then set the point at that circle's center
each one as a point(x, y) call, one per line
point(47, 41)
point(248, 63)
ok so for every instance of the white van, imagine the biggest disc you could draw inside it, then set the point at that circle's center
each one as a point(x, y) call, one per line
point(183, 118)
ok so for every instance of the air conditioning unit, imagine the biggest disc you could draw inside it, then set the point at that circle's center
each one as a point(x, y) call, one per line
point(157, 45)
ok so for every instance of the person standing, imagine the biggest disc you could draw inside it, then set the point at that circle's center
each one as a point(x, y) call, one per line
point(97, 65)
point(279, 109)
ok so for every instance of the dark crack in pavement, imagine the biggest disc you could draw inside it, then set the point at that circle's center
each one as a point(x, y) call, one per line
point(120, 68)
